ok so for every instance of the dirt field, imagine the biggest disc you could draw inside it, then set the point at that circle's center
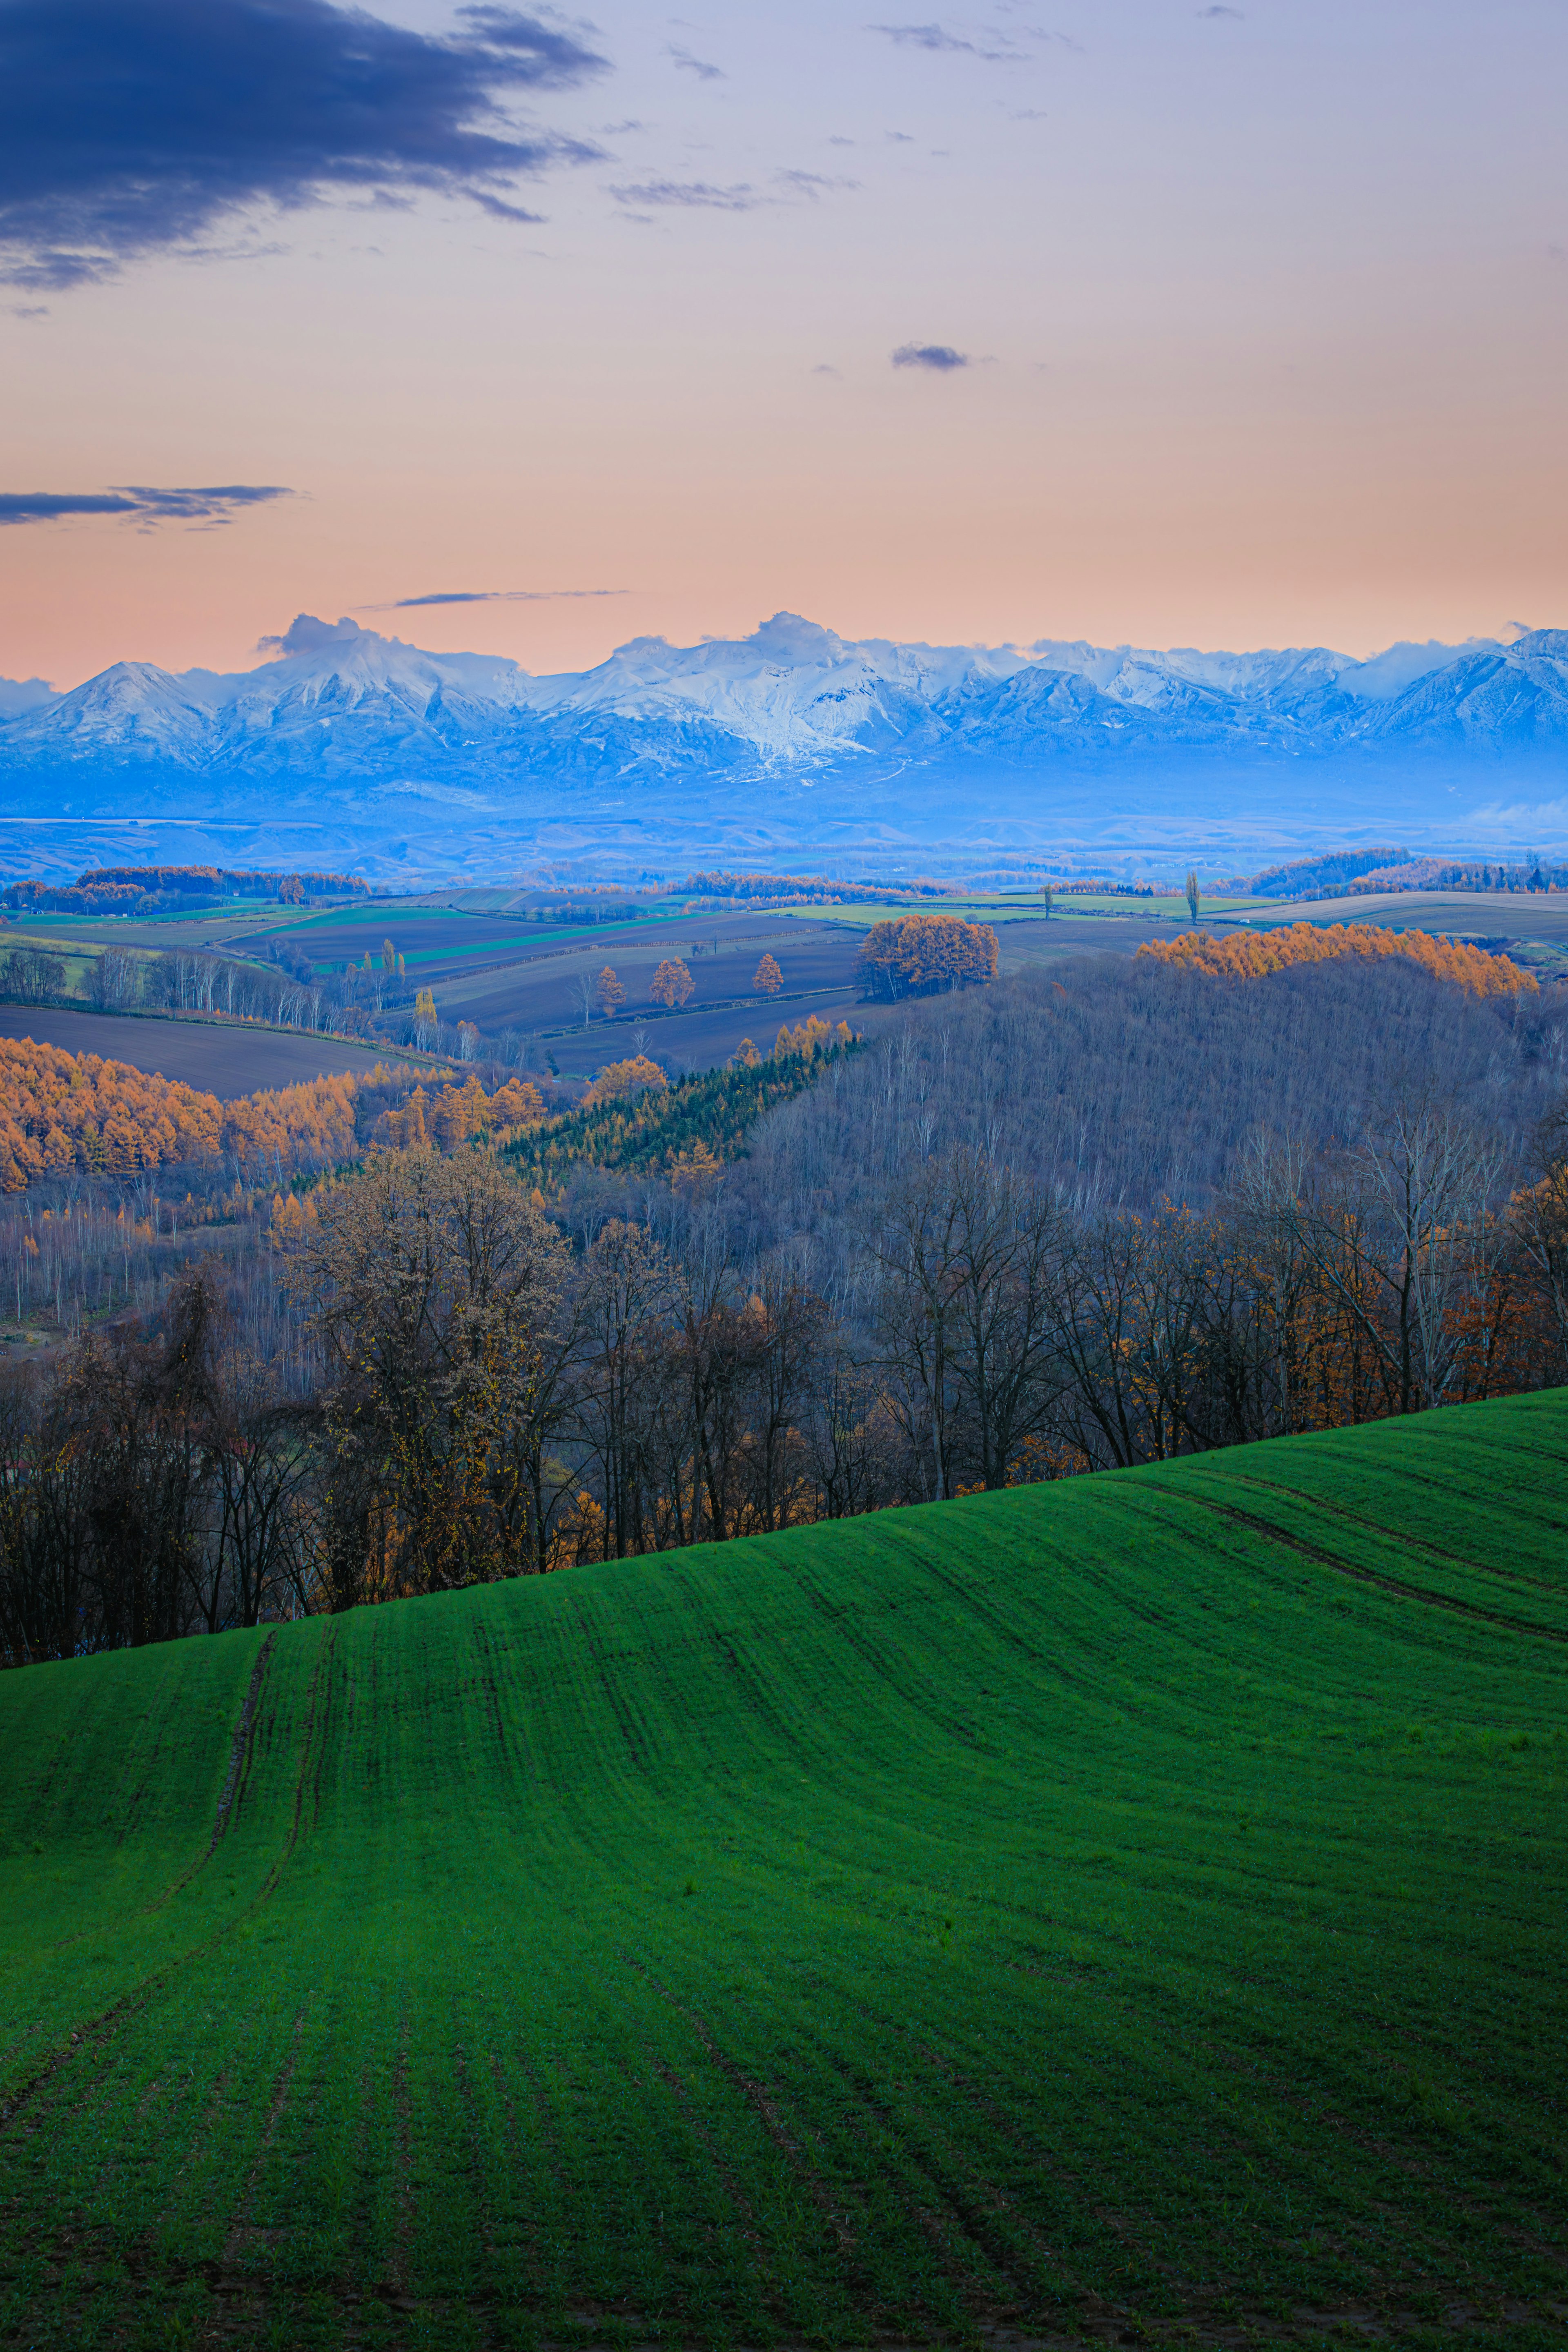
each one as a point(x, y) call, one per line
point(542, 994)
point(222, 1061)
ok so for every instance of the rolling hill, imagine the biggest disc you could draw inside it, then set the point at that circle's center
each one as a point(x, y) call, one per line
point(1128, 1909)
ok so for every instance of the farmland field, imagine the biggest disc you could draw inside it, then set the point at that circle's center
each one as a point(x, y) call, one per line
point(1128, 1909)
point(221, 1060)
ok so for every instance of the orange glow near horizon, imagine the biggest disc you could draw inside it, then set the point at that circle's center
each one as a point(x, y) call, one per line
point(1265, 323)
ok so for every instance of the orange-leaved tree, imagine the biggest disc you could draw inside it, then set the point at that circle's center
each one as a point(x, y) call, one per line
point(608, 993)
point(619, 1081)
point(672, 983)
point(767, 978)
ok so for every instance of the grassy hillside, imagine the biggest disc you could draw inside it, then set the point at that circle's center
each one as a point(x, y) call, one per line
point(1118, 1908)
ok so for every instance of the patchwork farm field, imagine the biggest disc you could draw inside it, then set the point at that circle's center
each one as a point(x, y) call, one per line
point(1129, 1910)
point(225, 1060)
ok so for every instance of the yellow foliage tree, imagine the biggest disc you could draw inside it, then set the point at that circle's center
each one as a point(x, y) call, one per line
point(618, 1081)
point(672, 983)
point(767, 978)
point(609, 993)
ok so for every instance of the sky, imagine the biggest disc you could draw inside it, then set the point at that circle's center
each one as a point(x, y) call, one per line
point(1142, 322)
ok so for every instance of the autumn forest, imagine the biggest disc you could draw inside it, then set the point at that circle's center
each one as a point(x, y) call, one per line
point(367, 1337)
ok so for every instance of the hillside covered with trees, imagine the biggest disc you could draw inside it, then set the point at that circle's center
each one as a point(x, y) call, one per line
point(1104, 1215)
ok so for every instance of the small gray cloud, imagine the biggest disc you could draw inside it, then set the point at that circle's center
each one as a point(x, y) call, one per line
point(937, 36)
point(686, 63)
point(823, 369)
point(1218, 11)
point(218, 504)
point(835, 141)
point(693, 195)
point(812, 184)
point(941, 357)
point(900, 138)
point(27, 310)
point(490, 596)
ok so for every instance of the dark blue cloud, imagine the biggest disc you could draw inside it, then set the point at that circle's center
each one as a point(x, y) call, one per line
point(940, 356)
point(492, 596)
point(217, 504)
point(127, 126)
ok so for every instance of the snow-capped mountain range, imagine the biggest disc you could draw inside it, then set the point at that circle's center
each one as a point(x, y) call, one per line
point(794, 734)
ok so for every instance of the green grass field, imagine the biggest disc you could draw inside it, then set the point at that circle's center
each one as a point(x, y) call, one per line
point(1126, 1910)
point(1017, 906)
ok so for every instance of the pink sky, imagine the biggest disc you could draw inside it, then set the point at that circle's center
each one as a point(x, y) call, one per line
point(1264, 314)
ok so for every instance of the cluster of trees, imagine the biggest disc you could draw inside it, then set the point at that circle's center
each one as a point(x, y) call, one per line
point(151, 1484)
point(761, 890)
point(1387, 868)
point(143, 890)
point(1528, 874)
point(1251, 955)
point(34, 976)
point(61, 1112)
point(455, 1114)
point(914, 955)
point(641, 1123)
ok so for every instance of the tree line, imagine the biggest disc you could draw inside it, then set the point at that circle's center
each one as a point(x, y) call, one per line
point(493, 1395)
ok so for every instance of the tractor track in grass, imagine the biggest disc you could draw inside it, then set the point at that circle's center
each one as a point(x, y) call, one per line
point(238, 1750)
point(755, 2241)
point(965, 2200)
point(103, 2029)
point(1251, 1524)
point(240, 1746)
point(1401, 1537)
point(764, 2105)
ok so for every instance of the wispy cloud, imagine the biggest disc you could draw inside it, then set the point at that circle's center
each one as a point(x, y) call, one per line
point(218, 504)
point(941, 357)
point(813, 184)
point(1218, 11)
point(937, 36)
point(686, 63)
point(133, 126)
point(490, 596)
point(699, 196)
